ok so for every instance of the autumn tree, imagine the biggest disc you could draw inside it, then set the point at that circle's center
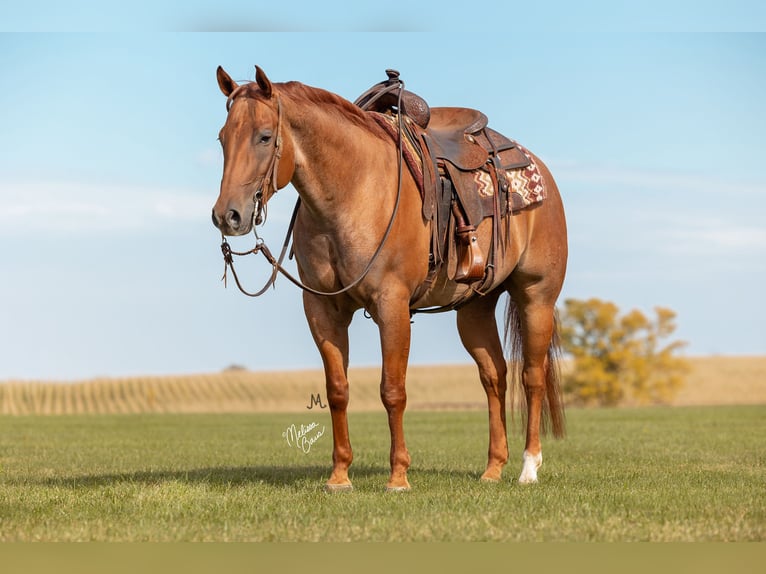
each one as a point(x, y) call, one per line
point(620, 358)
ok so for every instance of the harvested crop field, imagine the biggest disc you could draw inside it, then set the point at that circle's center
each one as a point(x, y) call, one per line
point(712, 381)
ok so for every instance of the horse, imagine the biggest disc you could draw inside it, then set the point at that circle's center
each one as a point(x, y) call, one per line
point(351, 255)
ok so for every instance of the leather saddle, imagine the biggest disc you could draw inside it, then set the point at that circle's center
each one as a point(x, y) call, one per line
point(458, 143)
point(451, 130)
point(462, 144)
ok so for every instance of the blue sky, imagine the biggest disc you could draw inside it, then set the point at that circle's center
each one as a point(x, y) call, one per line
point(109, 166)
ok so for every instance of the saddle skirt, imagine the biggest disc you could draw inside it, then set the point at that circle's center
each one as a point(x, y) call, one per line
point(466, 172)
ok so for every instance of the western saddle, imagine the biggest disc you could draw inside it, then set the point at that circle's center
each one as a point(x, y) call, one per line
point(454, 144)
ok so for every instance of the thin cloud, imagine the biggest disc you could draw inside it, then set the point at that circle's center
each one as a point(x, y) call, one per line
point(652, 179)
point(210, 157)
point(715, 238)
point(77, 207)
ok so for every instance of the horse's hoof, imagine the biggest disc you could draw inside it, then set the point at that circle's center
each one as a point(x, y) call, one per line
point(338, 487)
point(398, 488)
point(492, 475)
point(529, 471)
point(489, 479)
point(527, 479)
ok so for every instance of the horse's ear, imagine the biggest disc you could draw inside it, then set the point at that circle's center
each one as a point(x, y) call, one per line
point(225, 82)
point(263, 82)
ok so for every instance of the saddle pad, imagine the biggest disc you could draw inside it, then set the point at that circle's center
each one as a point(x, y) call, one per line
point(527, 186)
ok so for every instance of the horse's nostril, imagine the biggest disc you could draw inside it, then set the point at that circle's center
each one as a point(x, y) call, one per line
point(233, 218)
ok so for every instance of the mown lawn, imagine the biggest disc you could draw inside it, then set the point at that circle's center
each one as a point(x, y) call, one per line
point(648, 474)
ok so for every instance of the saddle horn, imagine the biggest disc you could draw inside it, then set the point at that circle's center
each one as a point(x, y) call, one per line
point(384, 97)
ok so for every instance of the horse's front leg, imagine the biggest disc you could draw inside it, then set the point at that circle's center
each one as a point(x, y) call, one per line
point(329, 326)
point(392, 316)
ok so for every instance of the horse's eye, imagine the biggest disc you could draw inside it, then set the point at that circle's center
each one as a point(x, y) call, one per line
point(265, 138)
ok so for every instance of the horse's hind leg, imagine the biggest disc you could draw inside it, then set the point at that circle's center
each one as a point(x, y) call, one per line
point(478, 332)
point(539, 376)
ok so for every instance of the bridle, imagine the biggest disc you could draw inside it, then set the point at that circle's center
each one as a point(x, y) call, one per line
point(272, 171)
point(260, 213)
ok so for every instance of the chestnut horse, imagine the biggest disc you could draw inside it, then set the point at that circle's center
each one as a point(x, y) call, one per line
point(348, 244)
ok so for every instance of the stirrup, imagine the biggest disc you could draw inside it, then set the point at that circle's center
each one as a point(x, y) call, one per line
point(470, 266)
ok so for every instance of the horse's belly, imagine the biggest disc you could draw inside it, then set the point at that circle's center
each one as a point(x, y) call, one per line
point(441, 293)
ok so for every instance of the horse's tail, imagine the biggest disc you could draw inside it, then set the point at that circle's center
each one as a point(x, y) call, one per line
point(553, 419)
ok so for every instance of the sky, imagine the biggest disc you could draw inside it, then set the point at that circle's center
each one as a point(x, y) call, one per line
point(651, 121)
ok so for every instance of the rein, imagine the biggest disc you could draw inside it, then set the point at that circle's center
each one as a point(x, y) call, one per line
point(259, 217)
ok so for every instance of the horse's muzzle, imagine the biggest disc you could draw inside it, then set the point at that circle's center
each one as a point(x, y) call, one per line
point(232, 222)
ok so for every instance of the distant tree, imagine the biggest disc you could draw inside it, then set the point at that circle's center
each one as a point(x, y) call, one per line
point(234, 367)
point(620, 358)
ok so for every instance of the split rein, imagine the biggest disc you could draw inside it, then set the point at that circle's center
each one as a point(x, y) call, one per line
point(260, 212)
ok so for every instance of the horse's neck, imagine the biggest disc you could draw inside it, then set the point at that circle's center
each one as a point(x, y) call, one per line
point(335, 162)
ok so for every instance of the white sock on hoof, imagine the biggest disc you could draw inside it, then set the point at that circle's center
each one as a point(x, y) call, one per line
point(529, 471)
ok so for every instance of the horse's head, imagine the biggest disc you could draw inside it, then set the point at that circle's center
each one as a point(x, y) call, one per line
point(258, 155)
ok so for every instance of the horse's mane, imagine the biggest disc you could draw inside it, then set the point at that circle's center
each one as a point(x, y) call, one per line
point(332, 102)
point(327, 100)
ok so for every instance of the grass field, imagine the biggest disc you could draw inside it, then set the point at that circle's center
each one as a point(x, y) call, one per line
point(648, 474)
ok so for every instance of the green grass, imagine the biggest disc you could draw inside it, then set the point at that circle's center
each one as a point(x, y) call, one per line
point(651, 474)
